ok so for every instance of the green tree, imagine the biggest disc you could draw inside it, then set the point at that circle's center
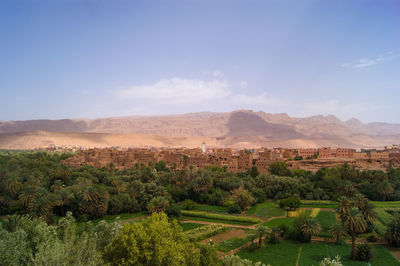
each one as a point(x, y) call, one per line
point(290, 204)
point(153, 241)
point(279, 168)
point(353, 221)
point(337, 231)
point(392, 235)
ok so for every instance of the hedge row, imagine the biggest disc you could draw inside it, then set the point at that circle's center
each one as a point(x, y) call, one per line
point(220, 216)
point(204, 232)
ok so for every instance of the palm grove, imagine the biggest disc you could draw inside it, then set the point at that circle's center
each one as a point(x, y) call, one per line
point(53, 196)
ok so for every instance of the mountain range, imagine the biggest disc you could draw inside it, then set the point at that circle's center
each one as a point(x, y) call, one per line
point(237, 129)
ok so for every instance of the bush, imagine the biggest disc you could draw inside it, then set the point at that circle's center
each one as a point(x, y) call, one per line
point(372, 238)
point(234, 209)
point(189, 204)
point(331, 262)
point(364, 252)
point(273, 236)
point(173, 211)
point(283, 230)
point(204, 232)
point(220, 216)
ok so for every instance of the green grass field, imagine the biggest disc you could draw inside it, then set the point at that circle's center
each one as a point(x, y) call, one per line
point(281, 254)
point(326, 219)
point(279, 221)
point(190, 226)
point(318, 204)
point(231, 244)
point(386, 204)
point(313, 253)
point(266, 209)
point(211, 208)
point(383, 216)
point(215, 220)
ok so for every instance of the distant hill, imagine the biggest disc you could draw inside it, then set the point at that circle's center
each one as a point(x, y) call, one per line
point(241, 128)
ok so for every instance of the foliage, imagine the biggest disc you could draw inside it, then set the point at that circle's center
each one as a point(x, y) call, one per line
point(266, 209)
point(189, 204)
point(174, 211)
point(290, 204)
point(372, 238)
point(28, 241)
point(331, 261)
point(337, 231)
point(392, 235)
point(153, 241)
point(208, 255)
point(383, 216)
point(220, 216)
point(234, 209)
point(364, 252)
point(231, 244)
point(204, 232)
point(305, 227)
point(234, 260)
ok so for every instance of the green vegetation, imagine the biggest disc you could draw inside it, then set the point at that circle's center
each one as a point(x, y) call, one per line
point(313, 253)
point(380, 228)
point(326, 219)
point(266, 209)
point(386, 204)
point(220, 216)
point(190, 226)
point(281, 254)
point(231, 244)
point(200, 233)
point(288, 221)
point(384, 217)
point(211, 208)
point(328, 204)
point(201, 219)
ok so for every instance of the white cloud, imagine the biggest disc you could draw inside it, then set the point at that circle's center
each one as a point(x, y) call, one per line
point(177, 91)
point(86, 92)
point(367, 62)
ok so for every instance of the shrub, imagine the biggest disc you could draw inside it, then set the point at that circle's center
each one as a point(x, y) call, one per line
point(173, 211)
point(392, 235)
point(331, 262)
point(203, 232)
point(189, 204)
point(283, 230)
point(234, 209)
point(273, 236)
point(220, 216)
point(372, 238)
point(364, 252)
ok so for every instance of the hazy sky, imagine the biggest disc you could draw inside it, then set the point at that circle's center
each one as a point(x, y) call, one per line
point(70, 59)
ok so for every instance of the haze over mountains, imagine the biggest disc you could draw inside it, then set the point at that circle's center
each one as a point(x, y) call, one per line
point(237, 129)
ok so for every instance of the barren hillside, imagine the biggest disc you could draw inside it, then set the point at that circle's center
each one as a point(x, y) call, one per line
point(236, 129)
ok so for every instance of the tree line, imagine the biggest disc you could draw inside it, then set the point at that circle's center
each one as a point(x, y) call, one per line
point(38, 184)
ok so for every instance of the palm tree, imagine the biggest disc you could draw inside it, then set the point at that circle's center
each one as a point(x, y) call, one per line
point(337, 231)
point(354, 223)
point(309, 228)
point(344, 205)
point(392, 235)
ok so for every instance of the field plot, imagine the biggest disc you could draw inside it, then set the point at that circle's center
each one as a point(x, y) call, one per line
point(190, 226)
point(200, 233)
point(231, 244)
point(326, 204)
point(266, 209)
point(386, 204)
point(326, 219)
point(281, 254)
point(313, 253)
point(211, 208)
point(227, 218)
point(279, 221)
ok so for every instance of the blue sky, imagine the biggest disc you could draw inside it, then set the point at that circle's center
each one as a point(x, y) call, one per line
point(88, 59)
